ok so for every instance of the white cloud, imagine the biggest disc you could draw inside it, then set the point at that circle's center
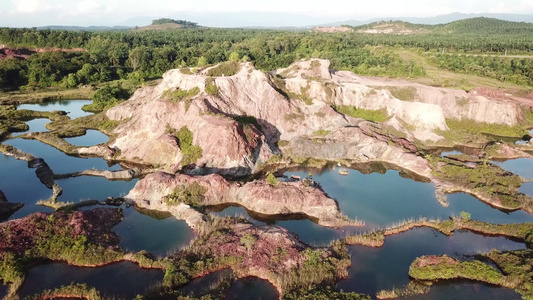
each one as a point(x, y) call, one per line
point(31, 6)
point(88, 6)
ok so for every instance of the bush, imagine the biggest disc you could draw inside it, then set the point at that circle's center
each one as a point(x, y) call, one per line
point(192, 194)
point(191, 153)
point(367, 114)
point(271, 179)
point(465, 216)
point(107, 97)
point(211, 87)
point(229, 68)
point(182, 95)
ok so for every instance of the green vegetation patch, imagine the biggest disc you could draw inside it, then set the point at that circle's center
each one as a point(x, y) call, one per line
point(516, 269)
point(228, 68)
point(517, 265)
point(444, 267)
point(107, 97)
point(247, 120)
point(211, 87)
point(190, 152)
point(79, 238)
point(474, 127)
point(378, 116)
point(486, 179)
point(191, 194)
point(322, 132)
point(317, 270)
point(271, 179)
point(402, 93)
point(179, 95)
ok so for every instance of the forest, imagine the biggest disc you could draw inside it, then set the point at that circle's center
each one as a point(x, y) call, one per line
point(143, 55)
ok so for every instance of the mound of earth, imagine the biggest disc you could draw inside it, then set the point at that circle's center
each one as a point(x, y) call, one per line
point(165, 192)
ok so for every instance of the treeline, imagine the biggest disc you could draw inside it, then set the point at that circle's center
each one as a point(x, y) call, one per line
point(140, 55)
point(515, 70)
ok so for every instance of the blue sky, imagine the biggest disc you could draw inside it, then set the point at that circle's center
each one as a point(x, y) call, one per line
point(28, 13)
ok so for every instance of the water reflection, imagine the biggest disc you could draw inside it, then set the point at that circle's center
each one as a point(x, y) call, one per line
point(385, 199)
point(374, 269)
point(93, 188)
point(20, 185)
point(72, 107)
point(252, 288)
point(3, 290)
point(58, 161)
point(36, 125)
point(466, 290)
point(121, 280)
point(201, 286)
point(157, 236)
point(91, 138)
point(521, 166)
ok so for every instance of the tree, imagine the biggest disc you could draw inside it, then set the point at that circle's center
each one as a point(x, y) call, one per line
point(234, 56)
point(202, 61)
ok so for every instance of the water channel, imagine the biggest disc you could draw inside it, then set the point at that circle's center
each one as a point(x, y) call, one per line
point(380, 199)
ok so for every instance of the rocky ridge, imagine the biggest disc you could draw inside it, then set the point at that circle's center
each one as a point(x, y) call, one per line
point(283, 198)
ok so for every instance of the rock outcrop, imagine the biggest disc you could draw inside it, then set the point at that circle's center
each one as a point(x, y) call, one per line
point(237, 120)
point(273, 111)
point(283, 198)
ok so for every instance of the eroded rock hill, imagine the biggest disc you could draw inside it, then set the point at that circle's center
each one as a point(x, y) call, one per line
point(166, 192)
point(235, 122)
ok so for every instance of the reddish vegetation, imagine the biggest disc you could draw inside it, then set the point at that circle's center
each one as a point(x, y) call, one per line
point(274, 247)
point(21, 234)
point(432, 260)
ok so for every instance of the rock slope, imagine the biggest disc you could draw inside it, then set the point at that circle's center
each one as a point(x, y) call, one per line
point(237, 120)
point(284, 198)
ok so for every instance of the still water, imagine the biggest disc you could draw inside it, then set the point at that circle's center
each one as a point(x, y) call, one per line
point(122, 280)
point(378, 199)
point(72, 107)
point(58, 161)
point(20, 185)
point(157, 236)
point(252, 288)
point(91, 138)
point(3, 290)
point(374, 269)
point(466, 290)
point(36, 125)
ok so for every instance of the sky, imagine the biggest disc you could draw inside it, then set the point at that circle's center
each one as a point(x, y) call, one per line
point(230, 13)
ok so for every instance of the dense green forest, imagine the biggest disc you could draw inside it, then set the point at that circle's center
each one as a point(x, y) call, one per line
point(141, 55)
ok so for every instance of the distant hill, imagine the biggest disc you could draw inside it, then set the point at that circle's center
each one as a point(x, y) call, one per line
point(480, 25)
point(442, 19)
point(394, 27)
point(485, 26)
point(165, 23)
